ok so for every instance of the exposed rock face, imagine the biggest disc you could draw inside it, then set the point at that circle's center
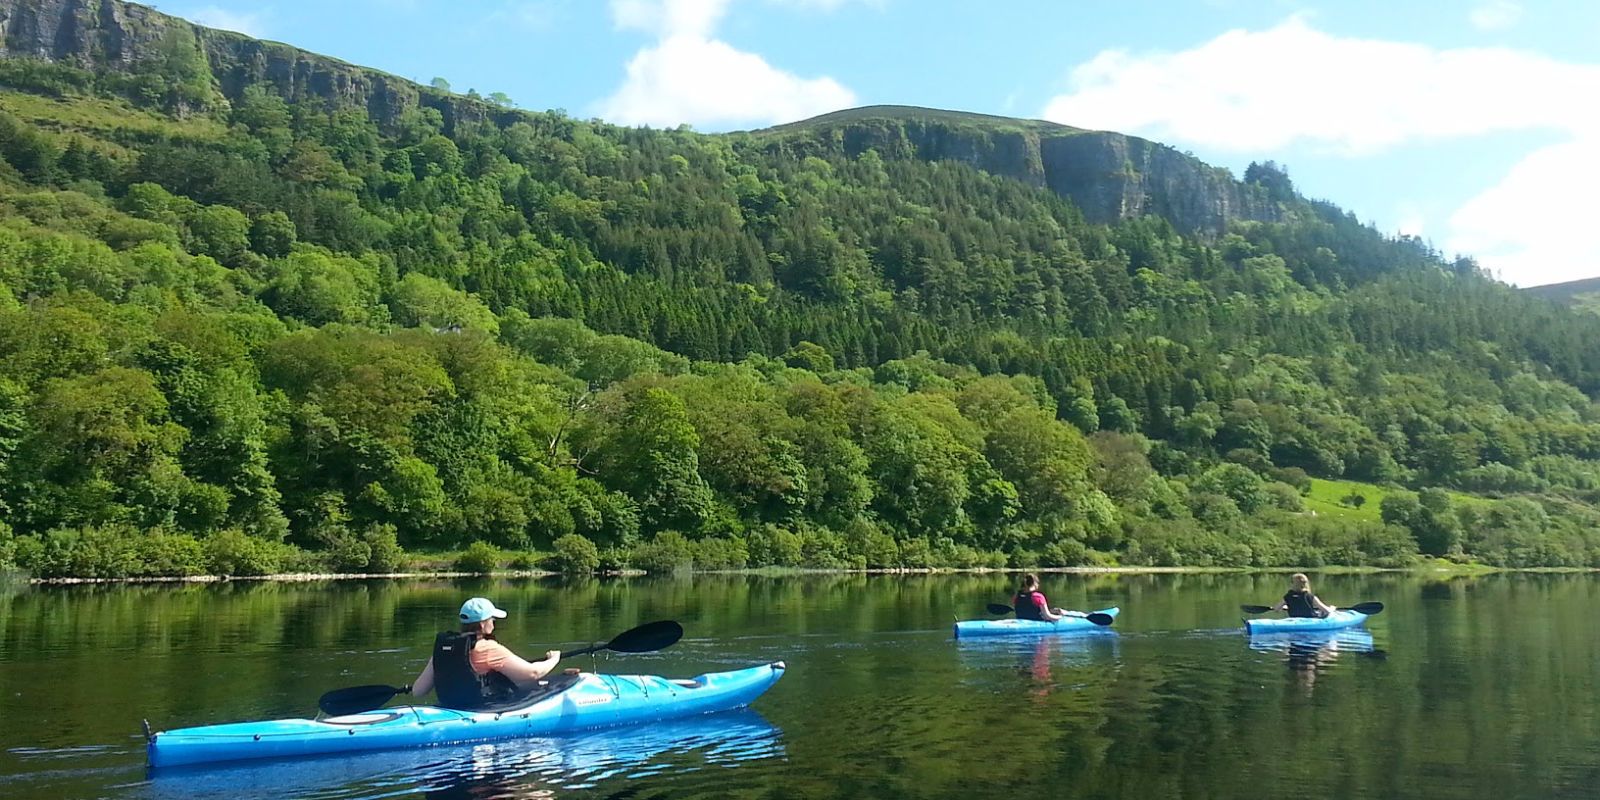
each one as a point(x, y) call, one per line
point(113, 35)
point(1110, 176)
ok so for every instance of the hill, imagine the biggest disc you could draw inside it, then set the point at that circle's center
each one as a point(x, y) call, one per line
point(1581, 293)
point(1110, 177)
point(260, 309)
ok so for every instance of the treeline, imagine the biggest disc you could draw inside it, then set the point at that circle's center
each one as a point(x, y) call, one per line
point(243, 336)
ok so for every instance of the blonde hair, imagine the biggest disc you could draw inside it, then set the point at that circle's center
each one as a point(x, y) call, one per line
point(1299, 582)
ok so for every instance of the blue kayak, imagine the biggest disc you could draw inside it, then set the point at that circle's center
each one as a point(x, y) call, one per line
point(1332, 622)
point(569, 761)
point(1029, 627)
point(585, 702)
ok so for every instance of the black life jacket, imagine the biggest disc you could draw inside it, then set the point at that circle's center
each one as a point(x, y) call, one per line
point(1028, 605)
point(1300, 604)
point(455, 682)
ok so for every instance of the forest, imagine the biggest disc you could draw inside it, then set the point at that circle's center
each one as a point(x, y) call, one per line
point(242, 336)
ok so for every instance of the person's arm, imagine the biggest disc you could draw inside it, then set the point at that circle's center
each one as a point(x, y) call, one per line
point(1283, 605)
point(424, 682)
point(1047, 613)
point(1326, 609)
point(522, 671)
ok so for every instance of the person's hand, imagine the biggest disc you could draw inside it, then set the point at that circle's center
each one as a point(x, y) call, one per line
point(406, 689)
point(552, 655)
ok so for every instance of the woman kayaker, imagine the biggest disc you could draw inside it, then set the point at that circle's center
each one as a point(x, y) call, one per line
point(469, 669)
point(1031, 604)
point(1300, 602)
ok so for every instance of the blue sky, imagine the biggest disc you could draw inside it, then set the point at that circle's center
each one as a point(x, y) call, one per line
point(1472, 124)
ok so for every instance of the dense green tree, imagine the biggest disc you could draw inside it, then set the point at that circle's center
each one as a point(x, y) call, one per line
point(227, 325)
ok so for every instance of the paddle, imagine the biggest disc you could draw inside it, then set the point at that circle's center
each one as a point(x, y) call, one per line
point(1097, 617)
point(1369, 609)
point(357, 699)
point(646, 638)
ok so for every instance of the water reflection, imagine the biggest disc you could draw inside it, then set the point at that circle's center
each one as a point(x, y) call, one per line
point(879, 701)
point(1306, 652)
point(516, 768)
point(1040, 659)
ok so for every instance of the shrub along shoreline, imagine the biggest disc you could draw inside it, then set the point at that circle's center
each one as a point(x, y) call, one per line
point(1431, 566)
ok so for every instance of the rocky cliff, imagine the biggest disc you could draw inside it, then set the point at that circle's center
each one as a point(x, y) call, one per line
point(113, 35)
point(1110, 176)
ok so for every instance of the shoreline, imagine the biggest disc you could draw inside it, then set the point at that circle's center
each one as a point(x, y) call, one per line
point(1438, 568)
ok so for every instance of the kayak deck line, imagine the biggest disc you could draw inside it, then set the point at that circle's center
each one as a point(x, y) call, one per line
point(591, 701)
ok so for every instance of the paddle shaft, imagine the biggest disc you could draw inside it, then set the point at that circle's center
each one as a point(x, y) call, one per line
point(1369, 608)
point(1096, 617)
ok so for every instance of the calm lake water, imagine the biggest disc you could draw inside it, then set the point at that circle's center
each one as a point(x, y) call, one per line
point(1480, 687)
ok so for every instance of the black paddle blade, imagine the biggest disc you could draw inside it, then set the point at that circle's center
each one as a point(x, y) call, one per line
point(357, 699)
point(1367, 608)
point(647, 638)
point(1100, 619)
point(996, 608)
point(1255, 609)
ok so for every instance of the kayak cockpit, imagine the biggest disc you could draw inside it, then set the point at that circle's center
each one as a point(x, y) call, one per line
point(366, 718)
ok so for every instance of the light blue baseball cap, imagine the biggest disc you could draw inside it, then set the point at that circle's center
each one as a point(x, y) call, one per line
point(479, 609)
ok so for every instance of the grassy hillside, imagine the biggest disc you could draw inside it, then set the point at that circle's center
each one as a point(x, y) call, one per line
point(1349, 499)
point(1565, 292)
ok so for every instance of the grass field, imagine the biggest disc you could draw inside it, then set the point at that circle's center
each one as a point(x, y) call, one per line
point(1326, 497)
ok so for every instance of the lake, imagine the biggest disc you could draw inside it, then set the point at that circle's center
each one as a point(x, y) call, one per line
point(1465, 687)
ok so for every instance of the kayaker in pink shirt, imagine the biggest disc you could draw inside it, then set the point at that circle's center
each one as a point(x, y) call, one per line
point(1030, 603)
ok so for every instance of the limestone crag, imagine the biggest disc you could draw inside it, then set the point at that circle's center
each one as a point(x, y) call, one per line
point(1110, 176)
point(114, 35)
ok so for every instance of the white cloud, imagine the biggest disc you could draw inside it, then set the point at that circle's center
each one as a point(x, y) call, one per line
point(1411, 221)
point(1251, 91)
point(1263, 91)
point(668, 18)
point(708, 82)
point(247, 23)
point(1533, 227)
point(1495, 15)
point(824, 5)
point(689, 76)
